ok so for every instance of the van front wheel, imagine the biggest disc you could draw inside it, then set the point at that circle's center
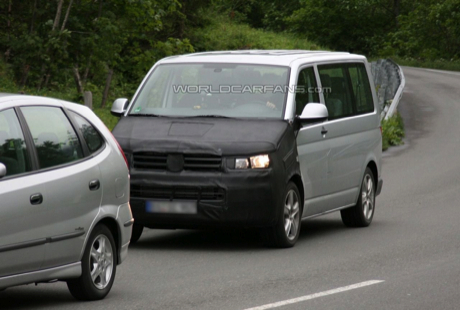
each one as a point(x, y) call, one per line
point(286, 231)
point(362, 213)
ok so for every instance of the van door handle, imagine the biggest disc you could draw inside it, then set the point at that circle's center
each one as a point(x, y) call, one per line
point(36, 199)
point(323, 131)
point(94, 185)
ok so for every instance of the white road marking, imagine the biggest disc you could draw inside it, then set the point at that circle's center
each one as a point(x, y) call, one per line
point(316, 295)
point(445, 72)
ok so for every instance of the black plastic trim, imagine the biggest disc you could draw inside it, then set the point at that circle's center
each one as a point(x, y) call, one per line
point(27, 244)
point(65, 236)
point(22, 245)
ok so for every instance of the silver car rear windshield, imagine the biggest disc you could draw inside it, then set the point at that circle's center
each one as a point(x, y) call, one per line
point(213, 89)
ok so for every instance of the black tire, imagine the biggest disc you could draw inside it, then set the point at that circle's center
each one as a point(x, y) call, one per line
point(279, 236)
point(362, 213)
point(136, 233)
point(84, 288)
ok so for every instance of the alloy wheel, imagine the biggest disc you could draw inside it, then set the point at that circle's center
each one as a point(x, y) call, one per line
point(291, 214)
point(101, 262)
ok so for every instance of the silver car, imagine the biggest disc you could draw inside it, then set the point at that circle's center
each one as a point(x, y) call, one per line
point(64, 197)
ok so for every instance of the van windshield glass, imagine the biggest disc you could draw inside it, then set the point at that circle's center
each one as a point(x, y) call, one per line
point(214, 90)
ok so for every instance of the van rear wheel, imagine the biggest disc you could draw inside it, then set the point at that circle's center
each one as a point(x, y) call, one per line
point(286, 231)
point(362, 213)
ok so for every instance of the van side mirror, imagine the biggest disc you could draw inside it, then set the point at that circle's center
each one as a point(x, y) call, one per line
point(314, 113)
point(119, 107)
point(2, 170)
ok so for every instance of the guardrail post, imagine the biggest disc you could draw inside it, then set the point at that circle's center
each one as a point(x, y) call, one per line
point(88, 99)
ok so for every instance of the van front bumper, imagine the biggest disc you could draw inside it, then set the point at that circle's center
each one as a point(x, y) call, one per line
point(236, 198)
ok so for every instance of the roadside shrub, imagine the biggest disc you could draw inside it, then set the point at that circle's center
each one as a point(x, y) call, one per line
point(392, 131)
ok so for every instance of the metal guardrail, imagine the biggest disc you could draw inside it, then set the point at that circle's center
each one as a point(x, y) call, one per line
point(389, 83)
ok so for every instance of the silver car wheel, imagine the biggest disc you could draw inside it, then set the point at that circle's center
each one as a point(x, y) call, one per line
point(101, 261)
point(368, 197)
point(291, 214)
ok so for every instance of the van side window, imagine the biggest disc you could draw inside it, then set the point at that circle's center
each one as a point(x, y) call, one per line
point(336, 90)
point(306, 91)
point(54, 137)
point(361, 88)
point(13, 153)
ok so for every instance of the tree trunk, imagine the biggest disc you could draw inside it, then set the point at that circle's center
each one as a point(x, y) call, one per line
point(57, 19)
point(47, 79)
point(42, 74)
point(396, 9)
point(34, 13)
point(88, 65)
point(55, 25)
point(8, 26)
point(182, 21)
point(24, 77)
point(76, 76)
point(107, 87)
point(66, 15)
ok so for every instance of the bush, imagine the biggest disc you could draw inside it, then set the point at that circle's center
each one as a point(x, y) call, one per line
point(392, 131)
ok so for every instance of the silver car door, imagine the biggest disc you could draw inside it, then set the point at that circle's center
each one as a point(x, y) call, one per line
point(21, 236)
point(72, 191)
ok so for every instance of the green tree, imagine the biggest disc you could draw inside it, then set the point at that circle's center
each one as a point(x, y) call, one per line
point(346, 25)
point(430, 31)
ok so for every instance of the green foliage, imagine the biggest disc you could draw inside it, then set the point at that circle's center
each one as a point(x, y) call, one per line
point(429, 32)
point(344, 25)
point(264, 14)
point(127, 36)
point(6, 80)
point(392, 131)
point(224, 34)
point(104, 114)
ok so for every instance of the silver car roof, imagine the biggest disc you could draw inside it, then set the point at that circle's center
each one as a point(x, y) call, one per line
point(12, 100)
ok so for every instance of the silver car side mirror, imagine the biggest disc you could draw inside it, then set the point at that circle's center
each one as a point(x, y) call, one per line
point(2, 170)
point(119, 106)
point(314, 112)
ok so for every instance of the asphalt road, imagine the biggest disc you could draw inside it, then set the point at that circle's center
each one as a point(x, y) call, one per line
point(411, 251)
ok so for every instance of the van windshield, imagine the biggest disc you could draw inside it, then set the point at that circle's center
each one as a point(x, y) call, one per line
point(214, 90)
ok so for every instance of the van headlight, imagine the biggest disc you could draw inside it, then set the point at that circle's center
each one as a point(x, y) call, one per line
point(254, 162)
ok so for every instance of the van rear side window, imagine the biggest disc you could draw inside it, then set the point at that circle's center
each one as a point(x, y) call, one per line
point(350, 92)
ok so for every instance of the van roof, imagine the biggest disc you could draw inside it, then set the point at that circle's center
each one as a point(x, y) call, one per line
point(269, 57)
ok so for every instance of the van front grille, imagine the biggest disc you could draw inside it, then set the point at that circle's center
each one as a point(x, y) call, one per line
point(149, 160)
point(191, 162)
point(179, 192)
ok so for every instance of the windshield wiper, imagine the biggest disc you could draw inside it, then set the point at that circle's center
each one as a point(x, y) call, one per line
point(210, 116)
point(145, 114)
